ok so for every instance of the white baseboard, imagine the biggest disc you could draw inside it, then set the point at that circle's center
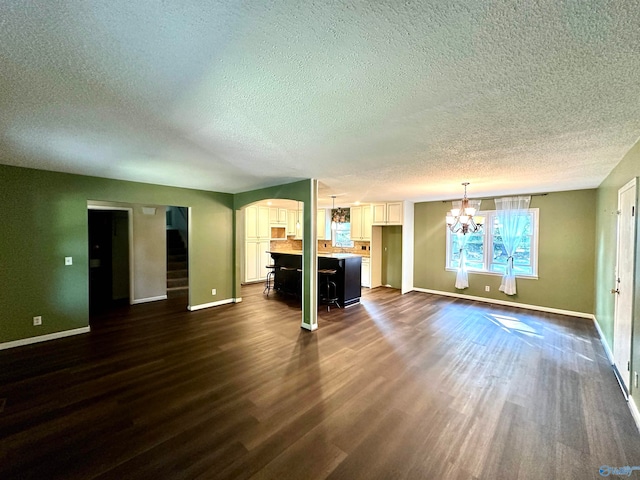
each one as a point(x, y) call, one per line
point(44, 338)
point(508, 304)
point(193, 308)
point(148, 299)
point(634, 411)
point(309, 327)
point(604, 342)
point(609, 353)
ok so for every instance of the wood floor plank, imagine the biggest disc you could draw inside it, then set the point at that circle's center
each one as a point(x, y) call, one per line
point(402, 386)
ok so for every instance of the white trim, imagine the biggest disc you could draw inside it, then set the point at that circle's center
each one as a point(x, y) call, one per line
point(193, 308)
point(408, 248)
point(148, 299)
point(309, 327)
point(634, 411)
point(508, 304)
point(190, 262)
point(604, 342)
point(44, 338)
point(237, 300)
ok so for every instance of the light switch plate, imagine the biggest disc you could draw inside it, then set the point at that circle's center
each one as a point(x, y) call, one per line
point(68, 260)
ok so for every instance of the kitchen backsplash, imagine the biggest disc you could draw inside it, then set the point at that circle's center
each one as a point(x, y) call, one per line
point(284, 245)
point(291, 244)
point(357, 248)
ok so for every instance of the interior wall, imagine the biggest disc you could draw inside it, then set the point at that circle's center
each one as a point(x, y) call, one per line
point(566, 249)
point(149, 254)
point(120, 255)
point(606, 246)
point(46, 219)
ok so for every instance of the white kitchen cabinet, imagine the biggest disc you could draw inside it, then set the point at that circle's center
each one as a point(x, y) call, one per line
point(257, 242)
point(256, 259)
point(257, 223)
point(324, 231)
point(291, 222)
point(300, 222)
point(361, 223)
point(366, 272)
point(277, 216)
point(389, 213)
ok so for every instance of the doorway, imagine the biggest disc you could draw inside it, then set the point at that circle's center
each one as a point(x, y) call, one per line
point(623, 289)
point(391, 256)
point(109, 254)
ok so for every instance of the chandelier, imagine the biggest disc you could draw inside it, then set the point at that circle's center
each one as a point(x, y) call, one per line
point(462, 218)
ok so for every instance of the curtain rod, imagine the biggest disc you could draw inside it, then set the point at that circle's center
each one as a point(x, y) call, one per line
point(493, 198)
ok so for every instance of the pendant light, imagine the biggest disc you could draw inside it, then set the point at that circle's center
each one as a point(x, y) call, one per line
point(334, 225)
point(298, 217)
point(462, 218)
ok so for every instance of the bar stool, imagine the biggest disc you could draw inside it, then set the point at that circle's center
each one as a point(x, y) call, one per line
point(328, 290)
point(270, 278)
point(286, 284)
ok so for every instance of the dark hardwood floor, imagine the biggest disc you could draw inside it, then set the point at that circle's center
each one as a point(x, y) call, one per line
point(402, 387)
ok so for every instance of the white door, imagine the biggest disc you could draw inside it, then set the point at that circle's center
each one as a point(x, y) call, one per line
point(623, 290)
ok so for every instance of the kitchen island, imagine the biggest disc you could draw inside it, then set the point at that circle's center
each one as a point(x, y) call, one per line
point(348, 267)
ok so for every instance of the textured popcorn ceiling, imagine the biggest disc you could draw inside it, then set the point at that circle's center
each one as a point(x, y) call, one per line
point(379, 100)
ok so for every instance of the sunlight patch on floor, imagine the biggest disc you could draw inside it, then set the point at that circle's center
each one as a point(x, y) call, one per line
point(513, 325)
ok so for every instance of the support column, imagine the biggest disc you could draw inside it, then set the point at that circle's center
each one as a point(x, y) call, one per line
point(310, 260)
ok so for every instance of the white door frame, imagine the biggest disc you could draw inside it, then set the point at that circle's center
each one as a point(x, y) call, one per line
point(624, 283)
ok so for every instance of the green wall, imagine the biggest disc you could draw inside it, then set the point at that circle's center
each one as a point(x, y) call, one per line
point(565, 257)
point(44, 219)
point(606, 225)
point(392, 256)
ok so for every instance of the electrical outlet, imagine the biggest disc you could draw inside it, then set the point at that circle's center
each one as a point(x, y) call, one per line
point(37, 321)
point(213, 291)
point(487, 288)
point(68, 260)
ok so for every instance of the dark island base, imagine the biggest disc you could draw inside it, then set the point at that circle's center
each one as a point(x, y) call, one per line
point(288, 275)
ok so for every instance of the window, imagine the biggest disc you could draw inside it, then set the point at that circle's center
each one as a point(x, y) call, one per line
point(486, 254)
point(341, 236)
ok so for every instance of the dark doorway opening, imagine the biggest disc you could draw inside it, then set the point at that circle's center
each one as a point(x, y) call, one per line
point(178, 252)
point(108, 260)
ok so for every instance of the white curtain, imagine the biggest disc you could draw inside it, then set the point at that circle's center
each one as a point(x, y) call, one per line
point(512, 221)
point(462, 278)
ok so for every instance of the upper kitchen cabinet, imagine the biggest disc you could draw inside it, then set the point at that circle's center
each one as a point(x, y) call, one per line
point(323, 224)
point(291, 221)
point(361, 223)
point(389, 213)
point(299, 224)
point(257, 223)
point(278, 216)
